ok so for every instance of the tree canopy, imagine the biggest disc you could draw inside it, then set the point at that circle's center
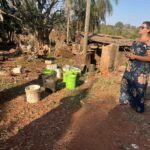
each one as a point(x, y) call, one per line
point(39, 17)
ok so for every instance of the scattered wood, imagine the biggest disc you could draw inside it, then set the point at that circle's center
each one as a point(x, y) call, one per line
point(63, 50)
point(92, 46)
point(76, 49)
point(56, 36)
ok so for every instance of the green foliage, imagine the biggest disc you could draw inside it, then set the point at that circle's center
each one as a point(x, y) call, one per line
point(119, 25)
point(99, 10)
point(119, 29)
point(36, 16)
point(9, 24)
point(39, 17)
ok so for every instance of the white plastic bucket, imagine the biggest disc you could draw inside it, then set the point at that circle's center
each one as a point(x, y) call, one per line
point(33, 93)
point(17, 70)
point(51, 67)
point(58, 73)
point(48, 62)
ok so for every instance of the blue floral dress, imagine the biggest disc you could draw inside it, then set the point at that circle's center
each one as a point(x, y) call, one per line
point(135, 78)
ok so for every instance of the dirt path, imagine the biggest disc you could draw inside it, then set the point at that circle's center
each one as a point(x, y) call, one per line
point(99, 124)
point(87, 118)
point(103, 125)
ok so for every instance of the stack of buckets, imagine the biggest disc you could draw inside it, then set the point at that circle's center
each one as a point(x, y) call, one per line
point(70, 78)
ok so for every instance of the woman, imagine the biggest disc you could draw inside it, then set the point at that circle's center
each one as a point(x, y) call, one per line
point(135, 78)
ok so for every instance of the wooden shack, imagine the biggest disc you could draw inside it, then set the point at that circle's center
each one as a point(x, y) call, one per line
point(107, 52)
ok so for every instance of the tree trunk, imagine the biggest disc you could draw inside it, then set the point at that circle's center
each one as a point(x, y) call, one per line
point(78, 26)
point(86, 29)
point(68, 26)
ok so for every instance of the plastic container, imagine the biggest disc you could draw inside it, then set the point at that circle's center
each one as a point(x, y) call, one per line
point(48, 62)
point(65, 75)
point(33, 93)
point(51, 66)
point(75, 70)
point(71, 81)
point(58, 73)
point(66, 68)
point(49, 82)
point(17, 70)
point(49, 72)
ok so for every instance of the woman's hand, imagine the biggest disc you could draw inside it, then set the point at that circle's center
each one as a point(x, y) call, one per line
point(130, 55)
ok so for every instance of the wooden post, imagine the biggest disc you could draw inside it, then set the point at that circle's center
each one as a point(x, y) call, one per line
point(107, 62)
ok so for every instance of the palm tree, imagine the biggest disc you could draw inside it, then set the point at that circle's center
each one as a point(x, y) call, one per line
point(99, 10)
point(87, 21)
point(104, 7)
point(68, 11)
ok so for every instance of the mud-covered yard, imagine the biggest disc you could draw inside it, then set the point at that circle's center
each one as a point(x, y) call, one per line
point(87, 118)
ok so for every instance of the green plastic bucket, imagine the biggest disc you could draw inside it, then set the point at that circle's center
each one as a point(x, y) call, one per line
point(49, 72)
point(65, 76)
point(71, 81)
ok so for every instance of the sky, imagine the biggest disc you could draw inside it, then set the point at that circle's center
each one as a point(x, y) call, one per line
point(132, 12)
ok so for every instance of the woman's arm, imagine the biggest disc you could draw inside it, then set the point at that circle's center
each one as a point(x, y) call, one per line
point(138, 57)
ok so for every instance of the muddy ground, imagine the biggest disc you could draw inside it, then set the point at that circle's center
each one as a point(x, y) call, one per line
point(87, 118)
